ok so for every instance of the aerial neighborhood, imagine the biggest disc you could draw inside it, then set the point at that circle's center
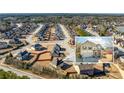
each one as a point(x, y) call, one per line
point(62, 46)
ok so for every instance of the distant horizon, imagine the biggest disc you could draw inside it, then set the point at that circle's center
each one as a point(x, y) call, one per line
point(61, 14)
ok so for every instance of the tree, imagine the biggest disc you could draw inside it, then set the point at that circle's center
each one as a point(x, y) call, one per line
point(10, 75)
point(9, 59)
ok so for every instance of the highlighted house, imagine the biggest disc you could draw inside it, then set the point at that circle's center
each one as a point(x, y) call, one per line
point(90, 49)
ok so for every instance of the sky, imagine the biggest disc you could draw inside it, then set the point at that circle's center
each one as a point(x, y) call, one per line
point(104, 41)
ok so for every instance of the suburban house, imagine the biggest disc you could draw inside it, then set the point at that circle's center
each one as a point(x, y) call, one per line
point(57, 50)
point(90, 49)
point(15, 41)
point(92, 69)
point(122, 43)
point(95, 28)
point(3, 45)
point(37, 47)
point(59, 33)
point(65, 67)
point(84, 26)
point(119, 41)
point(25, 55)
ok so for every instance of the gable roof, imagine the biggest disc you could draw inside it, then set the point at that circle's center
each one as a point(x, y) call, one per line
point(86, 42)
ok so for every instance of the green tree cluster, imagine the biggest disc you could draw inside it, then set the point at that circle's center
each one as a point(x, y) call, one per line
point(10, 75)
point(10, 60)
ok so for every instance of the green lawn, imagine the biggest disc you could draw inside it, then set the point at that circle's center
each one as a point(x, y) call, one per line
point(10, 75)
point(81, 32)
